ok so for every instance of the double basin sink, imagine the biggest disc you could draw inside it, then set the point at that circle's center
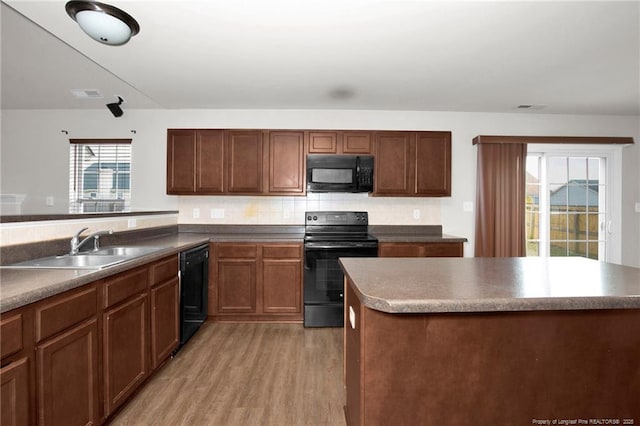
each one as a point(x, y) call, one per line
point(98, 259)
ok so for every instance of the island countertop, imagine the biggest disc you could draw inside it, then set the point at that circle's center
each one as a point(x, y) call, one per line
point(424, 285)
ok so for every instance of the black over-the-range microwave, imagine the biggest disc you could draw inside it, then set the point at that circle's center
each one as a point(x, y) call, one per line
point(339, 173)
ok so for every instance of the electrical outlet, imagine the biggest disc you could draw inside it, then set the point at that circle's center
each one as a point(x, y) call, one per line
point(216, 213)
point(416, 213)
point(196, 213)
point(637, 207)
point(467, 206)
point(50, 200)
point(131, 223)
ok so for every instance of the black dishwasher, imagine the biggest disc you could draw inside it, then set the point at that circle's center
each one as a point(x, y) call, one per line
point(194, 284)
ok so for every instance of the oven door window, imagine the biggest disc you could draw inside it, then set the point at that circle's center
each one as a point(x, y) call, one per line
point(323, 277)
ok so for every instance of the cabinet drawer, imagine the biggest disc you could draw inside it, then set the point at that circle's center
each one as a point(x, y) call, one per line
point(11, 335)
point(443, 250)
point(65, 311)
point(164, 270)
point(125, 285)
point(237, 251)
point(281, 252)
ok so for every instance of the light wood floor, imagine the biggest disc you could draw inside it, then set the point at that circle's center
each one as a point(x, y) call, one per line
point(247, 374)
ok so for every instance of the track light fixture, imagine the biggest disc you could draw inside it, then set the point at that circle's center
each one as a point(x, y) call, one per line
point(102, 22)
point(115, 107)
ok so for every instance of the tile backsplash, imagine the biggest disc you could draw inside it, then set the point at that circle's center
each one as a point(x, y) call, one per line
point(267, 210)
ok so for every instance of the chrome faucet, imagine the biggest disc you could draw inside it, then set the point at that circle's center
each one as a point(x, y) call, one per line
point(76, 244)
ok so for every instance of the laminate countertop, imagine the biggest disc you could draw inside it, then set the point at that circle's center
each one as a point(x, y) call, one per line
point(426, 285)
point(20, 287)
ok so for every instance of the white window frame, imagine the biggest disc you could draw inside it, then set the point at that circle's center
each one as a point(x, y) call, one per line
point(613, 197)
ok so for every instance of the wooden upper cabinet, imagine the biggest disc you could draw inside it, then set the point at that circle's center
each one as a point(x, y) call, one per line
point(323, 143)
point(181, 152)
point(243, 161)
point(355, 142)
point(340, 142)
point(433, 163)
point(209, 171)
point(272, 162)
point(394, 168)
point(414, 164)
point(195, 161)
point(285, 162)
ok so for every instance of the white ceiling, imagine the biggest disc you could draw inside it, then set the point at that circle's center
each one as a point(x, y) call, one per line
point(575, 57)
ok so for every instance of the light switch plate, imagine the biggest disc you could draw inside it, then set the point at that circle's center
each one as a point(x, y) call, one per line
point(196, 213)
point(467, 206)
point(637, 207)
point(416, 213)
point(217, 213)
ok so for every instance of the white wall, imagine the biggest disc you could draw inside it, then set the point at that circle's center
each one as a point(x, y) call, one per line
point(34, 156)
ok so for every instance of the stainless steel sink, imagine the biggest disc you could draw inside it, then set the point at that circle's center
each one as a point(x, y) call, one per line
point(128, 251)
point(99, 259)
point(78, 261)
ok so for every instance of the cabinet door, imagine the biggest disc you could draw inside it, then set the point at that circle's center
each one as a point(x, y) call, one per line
point(323, 142)
point(399, 250)
point(165, 320)
point(236, 286)
point(14, 394)
point(181, 159)
point(67, 377)
point(357, 143)
point(286, 162)
point(443, 250)
point(394, 167)
point(243, 161)
point(281, 286)
point(433, 163)
point(209, 161)
point(125, 350)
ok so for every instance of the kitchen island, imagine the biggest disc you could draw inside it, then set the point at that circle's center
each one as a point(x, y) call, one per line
point(469, 341)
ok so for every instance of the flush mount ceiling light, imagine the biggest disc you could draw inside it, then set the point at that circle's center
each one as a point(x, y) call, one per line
point(102, 22)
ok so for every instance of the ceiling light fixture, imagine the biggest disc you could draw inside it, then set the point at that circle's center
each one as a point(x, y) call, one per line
point(102, 22)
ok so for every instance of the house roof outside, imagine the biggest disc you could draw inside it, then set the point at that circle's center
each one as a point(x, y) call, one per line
point(576, 193)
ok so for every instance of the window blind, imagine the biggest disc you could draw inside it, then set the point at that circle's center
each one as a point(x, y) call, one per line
point(99, 175)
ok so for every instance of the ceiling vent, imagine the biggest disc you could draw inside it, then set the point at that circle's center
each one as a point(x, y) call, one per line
point(86, 93)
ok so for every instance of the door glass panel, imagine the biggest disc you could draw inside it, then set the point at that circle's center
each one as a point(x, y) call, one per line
point(565, 211)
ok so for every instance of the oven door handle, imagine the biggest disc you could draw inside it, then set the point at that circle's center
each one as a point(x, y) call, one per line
point(307, 262)
point(324, 246)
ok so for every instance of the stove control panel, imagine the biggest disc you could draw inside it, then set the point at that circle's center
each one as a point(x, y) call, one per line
point(336, 218)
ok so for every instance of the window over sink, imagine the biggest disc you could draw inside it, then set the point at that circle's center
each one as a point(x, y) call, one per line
point(99, 175)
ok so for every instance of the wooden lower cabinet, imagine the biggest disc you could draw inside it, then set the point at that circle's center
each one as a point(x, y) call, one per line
point(445, 249)
point(281, 280)
point(165, 320)
point(237, 286)
point(126, 351)
point(14, 394)
point(256, 282)
point(74, 358)
point(67, 377)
